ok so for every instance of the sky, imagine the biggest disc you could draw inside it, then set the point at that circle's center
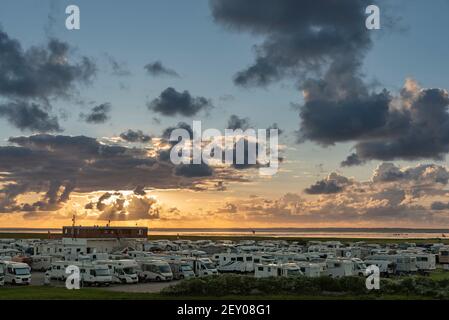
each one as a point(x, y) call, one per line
point(362, 113)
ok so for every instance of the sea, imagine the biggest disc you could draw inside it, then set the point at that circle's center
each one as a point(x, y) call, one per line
point(373, 233)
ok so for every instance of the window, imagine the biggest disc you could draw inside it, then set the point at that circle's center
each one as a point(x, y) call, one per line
point(249, 258)
point(239, 258)
point(260, 268)
point(256, 260)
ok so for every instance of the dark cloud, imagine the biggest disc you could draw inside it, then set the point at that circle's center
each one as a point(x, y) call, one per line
point(40, 72)
point(423, 173)
point(299, 37)
point(439, 206)
point(172, 103)
point(157, 69)
point(29, 116)
point(194, 170)
point(334, 183)
point(98, 114)
point(135, 136)
point(352, 160)
point(235, 122)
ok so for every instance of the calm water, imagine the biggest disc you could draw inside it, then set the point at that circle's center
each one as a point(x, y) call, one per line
point(284, 232)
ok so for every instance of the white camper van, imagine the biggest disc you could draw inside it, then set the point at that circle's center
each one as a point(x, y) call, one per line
point(403, 263)
point(202, 266)
point(425, 262)
point(2, 275)
point(337, 268)
point(181, 270)
point(312, 270)
point(154, 270)
point(41, 263)
point(122, 271)
point(235, 262)
point(16, 272)
point(386, 267)
point(277, 270)
point(95, 274)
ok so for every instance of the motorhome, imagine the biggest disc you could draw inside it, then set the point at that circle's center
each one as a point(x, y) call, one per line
point(337, 268)
point(57, 269)
point(403, 263)
point(359, 267)
point(311, 270)
point(2, 275)
point(41, 263)
point(235, 262)
point(16, 272)
point(443, 255)
point(122, 271)
point(202, 266)
point(277, 270)
point(95, 274)
point(386, 267)
point(154, 270)
point(425, 261)
point(181, 270)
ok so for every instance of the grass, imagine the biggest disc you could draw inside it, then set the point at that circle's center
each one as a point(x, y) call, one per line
point(57, 293)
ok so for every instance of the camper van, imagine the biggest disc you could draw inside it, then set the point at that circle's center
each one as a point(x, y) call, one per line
point(95, 274)
point(277, 270)
point(16, 272)
point(154, 270)
point(386, 267)
point(312, 270)
point(337, 268)
point(40, 263)
point(57, 269)
point(443, 255)
point(181, 270)
point(234, 262)
point(2, 275)
point(202, 266)
point(403, 263)
point(122, 271)
point(425, 262)
point(359, 267)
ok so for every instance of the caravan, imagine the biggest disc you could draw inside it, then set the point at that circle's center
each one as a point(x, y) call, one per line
point(95, 274)
point(202, 266)
point(386, 267)
point(2, 275)
point(154, 270)
point(312, 270)
point(337, 268)
point(277, 270)
point(181, 269)
point(234, 262)
point(403, 263)
point(122, 271)
point(16, 272)
point(425, 262)
point(41, 263)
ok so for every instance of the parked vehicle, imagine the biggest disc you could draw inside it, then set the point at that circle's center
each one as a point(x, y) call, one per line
point(154, 270)
point(403, 263)
point(443, 255)
point(41, 263)
point(311, 270)
point(386, 267)
point(234, 262)
point(202, 266)
point(425, 262)
point(2, 275)
point(277, 270)
point(95, 274)
point(16, 272)
point(57, 269)
point(122, 271)
point(337, 268)
point(181, 270)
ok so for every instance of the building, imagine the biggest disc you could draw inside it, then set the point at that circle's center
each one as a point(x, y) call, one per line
point(99, 232)
point(79, 240)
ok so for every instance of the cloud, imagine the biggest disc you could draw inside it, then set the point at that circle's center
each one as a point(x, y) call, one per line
point(172, 103)
point(29, 116)
point(135, 136)
point(98, 114)
point(439, 206)
point(423, 173)
point(193, 170)
point(234, 122)
point(40, 72)
point(157, 69)
point(121, 207)
point(299, 37)
point(334, 183)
